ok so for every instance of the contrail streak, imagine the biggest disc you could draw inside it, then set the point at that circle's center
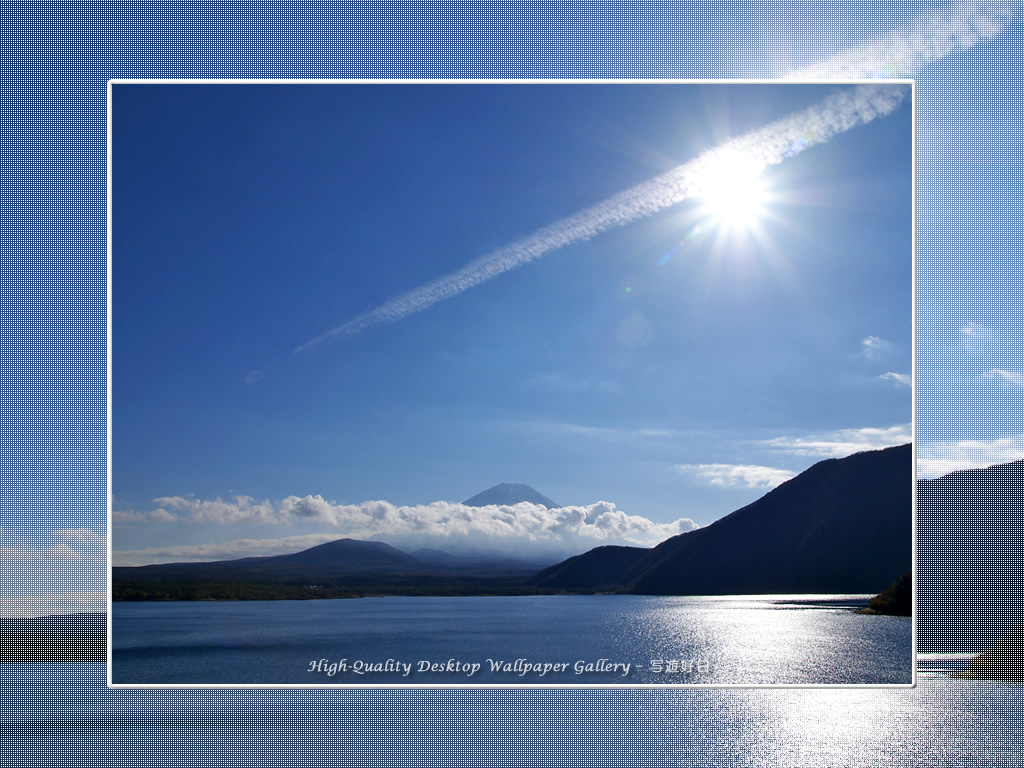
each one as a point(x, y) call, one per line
point(764, 147)
point(929, 38)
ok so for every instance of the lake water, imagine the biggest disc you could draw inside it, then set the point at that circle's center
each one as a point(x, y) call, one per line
point(537, 640)
point(62, 714)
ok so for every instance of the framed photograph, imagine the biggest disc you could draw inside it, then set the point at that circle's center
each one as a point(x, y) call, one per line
point(343, 310)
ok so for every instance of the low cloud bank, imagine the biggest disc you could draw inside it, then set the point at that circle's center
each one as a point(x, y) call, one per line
point(515, 530)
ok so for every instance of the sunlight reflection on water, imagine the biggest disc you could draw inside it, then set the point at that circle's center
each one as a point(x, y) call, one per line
point(757, 641)
point(939, 723)
point(665, 640)
point(62, 714)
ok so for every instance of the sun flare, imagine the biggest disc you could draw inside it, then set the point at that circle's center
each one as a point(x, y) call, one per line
point(733, 191)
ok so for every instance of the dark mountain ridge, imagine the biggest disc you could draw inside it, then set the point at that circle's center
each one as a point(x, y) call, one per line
point(970, 565)
point(598, 570)
point(843, 525)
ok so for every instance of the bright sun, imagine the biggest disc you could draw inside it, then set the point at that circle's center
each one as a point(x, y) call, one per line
point(733, 192)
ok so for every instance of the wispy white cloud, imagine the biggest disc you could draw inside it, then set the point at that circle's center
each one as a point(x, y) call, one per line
point(841, 111)
point(843, 442)
point(960, 339)
point(523, 529)
point(975, 330)
point(929, 38)
point(619, 435)
point(80, 536)
point(902, 379)
point(125, 514)
point(61, 546)
point(873, 346)
point(745, 475)
point(834, 444)
point(1006, 377)
point(938, 458)
point(975, 337)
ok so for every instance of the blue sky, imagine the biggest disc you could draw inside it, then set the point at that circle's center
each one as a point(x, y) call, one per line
point(674, 368)
point(320, 433)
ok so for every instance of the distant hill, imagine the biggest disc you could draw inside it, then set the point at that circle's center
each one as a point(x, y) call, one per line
point(345, 553)
point(970, 566)
point(337, 569)
point(333, 557)
point(843, 525)
point(510, 493)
